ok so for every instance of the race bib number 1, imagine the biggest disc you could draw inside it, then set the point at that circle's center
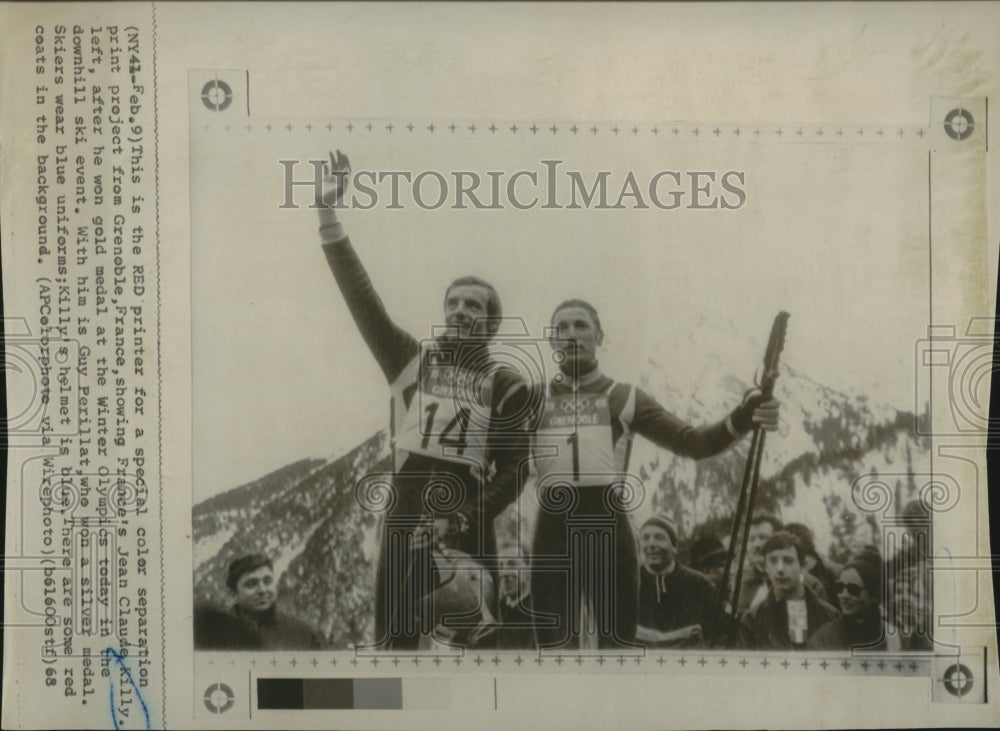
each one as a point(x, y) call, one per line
point(577, 428)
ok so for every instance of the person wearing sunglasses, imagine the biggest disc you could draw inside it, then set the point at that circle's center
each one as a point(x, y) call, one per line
point(860, 625)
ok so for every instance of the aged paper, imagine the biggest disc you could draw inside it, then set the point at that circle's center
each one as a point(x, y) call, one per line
point(238, 496)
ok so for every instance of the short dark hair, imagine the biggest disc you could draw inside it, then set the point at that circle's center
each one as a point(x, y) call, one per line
point(707, 553)
point(782, 540)
point(493, 309)
point(582, 304)
point(244, 565)
point(765, 517)
point(804, 534)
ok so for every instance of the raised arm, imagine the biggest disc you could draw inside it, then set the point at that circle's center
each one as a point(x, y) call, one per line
point(392, 347)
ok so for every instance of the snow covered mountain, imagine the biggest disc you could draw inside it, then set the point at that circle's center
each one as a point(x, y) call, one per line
point(305, 515)
point(826, 440)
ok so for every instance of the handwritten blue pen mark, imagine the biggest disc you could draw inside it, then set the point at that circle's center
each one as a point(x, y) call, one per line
point(112, 652)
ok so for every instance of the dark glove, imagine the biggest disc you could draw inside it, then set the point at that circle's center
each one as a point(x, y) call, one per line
point(755, 411)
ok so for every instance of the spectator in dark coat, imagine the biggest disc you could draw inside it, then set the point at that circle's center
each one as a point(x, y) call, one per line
point(218, 629)
point(255, 622)
point(791, 612)
point(708, 556)
point(754, 587)
point(676, 603)
point(814, 563)
point(860, 625)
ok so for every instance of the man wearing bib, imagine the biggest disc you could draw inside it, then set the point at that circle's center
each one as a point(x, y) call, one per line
point(456, 426)
point(585, 576)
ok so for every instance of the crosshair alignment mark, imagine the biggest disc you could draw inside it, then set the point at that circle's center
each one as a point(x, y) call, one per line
point(959, 124)
point(217, 95)
point(219, 698)
point(958, 680)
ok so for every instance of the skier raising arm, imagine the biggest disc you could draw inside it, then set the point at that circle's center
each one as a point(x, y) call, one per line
point(451, 413)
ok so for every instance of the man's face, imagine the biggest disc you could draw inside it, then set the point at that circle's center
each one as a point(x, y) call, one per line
point(575, 324)
point(759, 533)
point(256, 591)
point(658, 551)
point(511, 576)
point(852, 594)
point(784, 570)
point(464, 305)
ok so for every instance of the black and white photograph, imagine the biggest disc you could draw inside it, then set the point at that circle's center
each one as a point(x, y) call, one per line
point(514, 352)
point(488, 462)
point(561, 385)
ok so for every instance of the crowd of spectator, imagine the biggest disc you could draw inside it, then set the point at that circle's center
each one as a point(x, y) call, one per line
point(790, 597)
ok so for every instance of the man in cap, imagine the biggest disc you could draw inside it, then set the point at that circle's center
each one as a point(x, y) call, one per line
point(676, 603)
